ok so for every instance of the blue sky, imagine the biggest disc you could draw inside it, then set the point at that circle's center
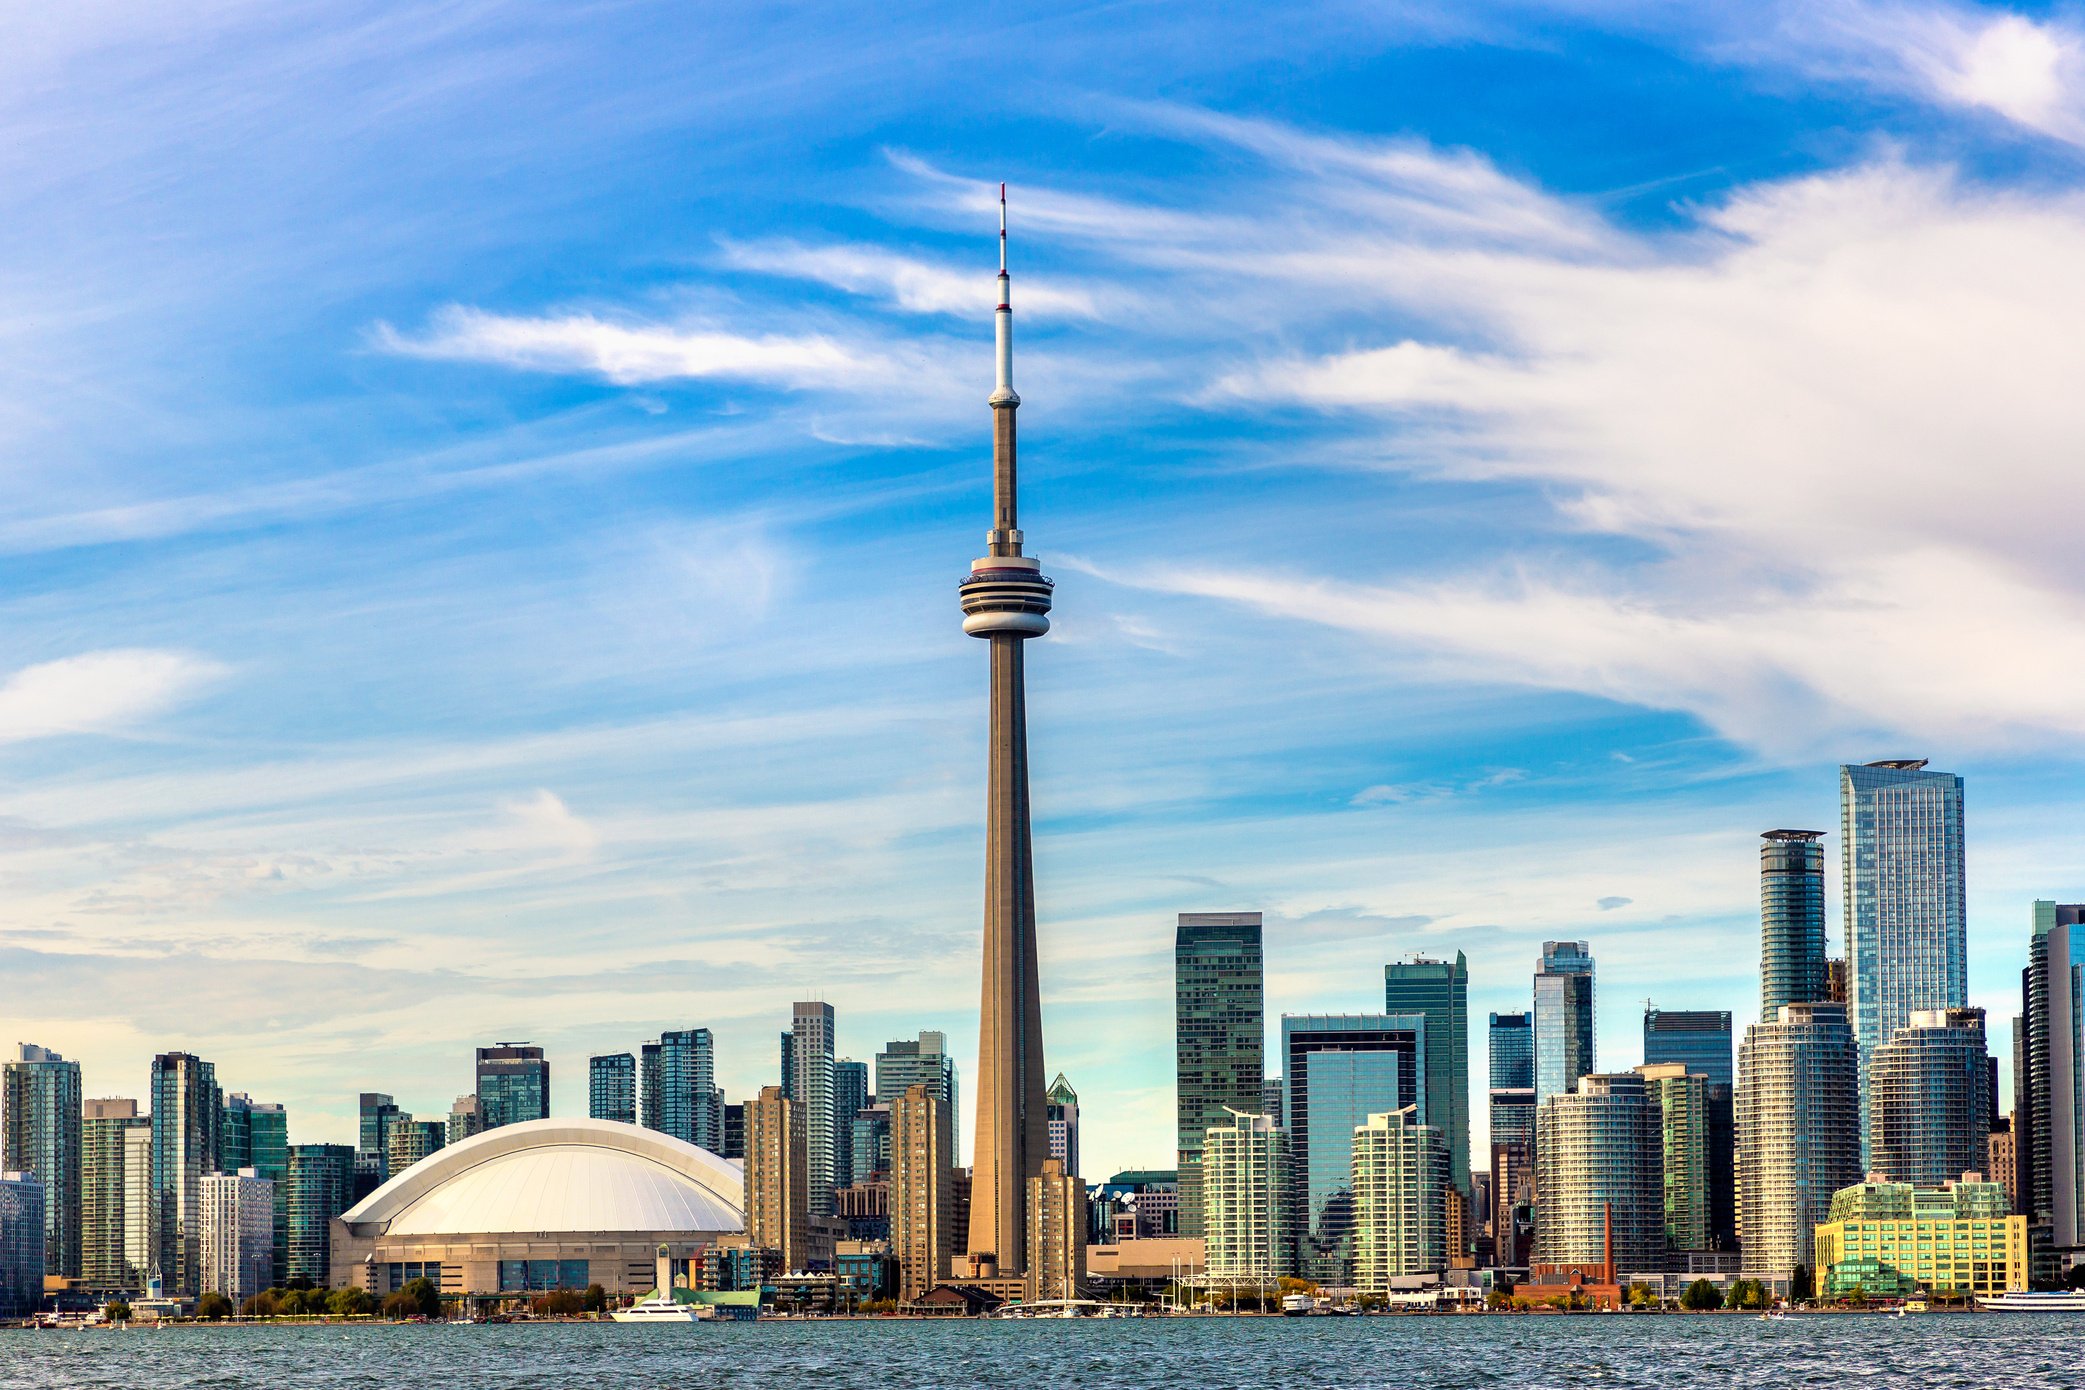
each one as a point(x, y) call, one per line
point(482, 487)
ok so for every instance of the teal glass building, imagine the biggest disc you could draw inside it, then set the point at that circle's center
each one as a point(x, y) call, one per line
point(321, 1186)
point(40, 1134)
point(1439, 992)
point(1339, 1069)
point(187, 1142)
point(1563, 1018)
point(611, 1087)
point(513, 1084)
point(1791, 919)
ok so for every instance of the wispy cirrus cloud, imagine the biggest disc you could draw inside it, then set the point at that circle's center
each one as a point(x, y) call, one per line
point(104, 692)
point(910, 283)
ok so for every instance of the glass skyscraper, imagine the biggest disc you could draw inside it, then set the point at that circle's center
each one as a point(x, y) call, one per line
point(1439, 992)
point(922, 1061)
point(1697, 1038)
point(2055, 1067)
point(257, 1136)
point(611, 1087)
point(40, 1135)
point(1563, 1018)
point(1219, 1036)
point(689, 1106)
point(21, 1245)
point(513, 1083)
point(373, 1137)
point(810, 1081)
point(850, 1095)
point(1929, 1099)
point(1798, 1132)
point(320, 1187)
point(1791, 919)
point(1340, 1069)
point(187, 1142)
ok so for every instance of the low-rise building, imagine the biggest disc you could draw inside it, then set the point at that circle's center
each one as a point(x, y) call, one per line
point(1892, 1240)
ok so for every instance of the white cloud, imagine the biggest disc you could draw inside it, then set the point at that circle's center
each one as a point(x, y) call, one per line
point(911, 284)
point(99, 692)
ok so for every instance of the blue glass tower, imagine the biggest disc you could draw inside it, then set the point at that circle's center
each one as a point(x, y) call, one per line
point(1563, 1018)
point(1340, 1069)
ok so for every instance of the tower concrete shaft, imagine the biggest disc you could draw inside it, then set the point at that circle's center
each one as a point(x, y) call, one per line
point(1006, 601)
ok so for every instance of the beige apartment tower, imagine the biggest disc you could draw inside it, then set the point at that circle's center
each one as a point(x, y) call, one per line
point(922, 1190)
point(778, 1179)
point(1006, 601)
point(1056, 1232)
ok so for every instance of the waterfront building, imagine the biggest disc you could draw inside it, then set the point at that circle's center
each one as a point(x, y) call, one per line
point(1894, 1240)
point(1006, 601)
point(611, 1087)
point(466, 1117)
point(116, 1225)
point(2055, 1057)
point(410, 1140)
point(1056, 1258)
point(514, 1084)
point(1062, 1107)
point(1403, 1190)
point(850, 1096)
point(809, 1081)
point(40, 1134)
point(686, 1102)
point(1929, 1099)
point(778, 1187)
point(187, 1130)
point(1341, 1068)
point(1791, 920)
point(1219, 1036)
point(1682, 1101)
point(922, 1189)
point(372, 1135)
point(868, 1145)
point(1599, 1171)
point(22, 1244)
point(922, 1061)
point(1247, 1231)
point(1564, 1038)
point(1798, 1132)
point(238, 1234)
point(321, 1186)
point(541, 1205)
point(1700, 1039)
point(1906, 921)
point(1439, 992)
point(257, 1136)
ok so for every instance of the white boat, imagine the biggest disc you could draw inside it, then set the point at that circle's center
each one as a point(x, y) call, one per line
point(657, 1308)
point(2022, 1302)
point(1298, 1305)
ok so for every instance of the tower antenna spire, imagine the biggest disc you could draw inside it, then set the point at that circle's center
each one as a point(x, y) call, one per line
point(1002, 229)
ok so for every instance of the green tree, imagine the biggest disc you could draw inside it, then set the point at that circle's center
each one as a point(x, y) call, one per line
point(424, 1298)
point(1701, 1297)
point(117, 1311)
point(213, 1306)
point(596, 1298)
point(1803, 1286)
point(350, 1303)
point(261, 1305)
point(1857, 1295)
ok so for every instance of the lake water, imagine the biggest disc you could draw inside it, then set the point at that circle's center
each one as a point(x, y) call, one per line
point(1929, 1352)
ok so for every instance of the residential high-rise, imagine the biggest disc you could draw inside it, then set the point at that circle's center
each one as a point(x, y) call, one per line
point(116, 1225)
point(1598, 1156)
point(372, 1136)
point(321, 1187)
point(1564, 1039)
point(1063, 1109)
point(868, 1146)
point(257, 1136)
point(648, 1084)
point(688, 1104)
point(410, 1140)
point(1791, 919)
point(1219, 1036)
point(1439, 992)
point(778, 1212)
point(1248, 1232)
point(1056, 1258)
point(1798, 1132)
point(922, 1189)
point(21, 1244)
point(2055, 1033)
point(1680, 1097)
point(514, 1084)
point(1006, 601)
point(466, 1117)
point(40, 1135)
point(1905, 913)
point(1929, 1099)
point(809, 1078)
point(922, 1061)
point(611, 1087)
point(187, 1129)
point(1402, 1190)
point(850, 1095)
point(1699, 1039)
point(734, 1132)
point(237, 1245)
point(1341, 1068)
point(1512, 1094)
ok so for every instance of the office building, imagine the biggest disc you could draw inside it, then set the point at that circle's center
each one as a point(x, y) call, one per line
point(922, 1061)
point(238, 1234)
point(1219, 1036)
point(1056, 1257)
point(321, 1186)
point(466, 1117)
point(22, 1244)
point(1403, 1189)
point(372, 1137)
point(1439, 992)
point(257, 1136)
point(850, 1095)
point(1062, 1107)
point(40, 1135)
point(187, 1130)
point(1929, 1099)
point(1893, 1240)
point(734, 1132)
point(1698, 1039)
point(1791, 919)
point(1564, 1046)
point(410, 1140)
point(1798, 1133)
point(1599, 1168)
point(1680, 1097)
point(611, 1087)
point(2055, 1057)
point(1248, 1233)
point(922, 1189)
point(686, 1102)
point(513, 1084)
point(1270, 1099)
point(778, 1188)
point(868, 1146)
point(810, 1083)
point(1904, 905)
point(1341, 1068)
point(1511, 1104)
point(116, 1226)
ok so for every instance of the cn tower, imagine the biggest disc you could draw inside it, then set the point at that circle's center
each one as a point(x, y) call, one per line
point(1006, 601)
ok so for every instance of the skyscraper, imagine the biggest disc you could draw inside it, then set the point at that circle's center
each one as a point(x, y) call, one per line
point(321, 1187)
point(922, 1189)
point(869, 1145)
point(1791, 919)
point(21, 1244)
point(1063, 1109)
point(689, 1106)
point(1512, 1074)
point(1005, 601)
point(466, 1117)
point(611, 1087)
point(1219, 1036)
point(237, 1244)
point(1680, 1097)
point(1248, 1230)
point(1564, 1049)
point(1340, 1069)
point(2055, 1018)
point(1798, 1132)
point(116, 1226)
point(372, 1135)
point(648, 1103)
point(40, 1135)
point(1439, 992)
point(850, 1096)
point(410, 1140)
point(810, 1080)
point(514, 1084)
point(257, 1136)
point(778, 1214)
point(1929, 1099)
point(1598, 1155)
point(1056, 1262)
point(1401, 1187)
point(1698, 1039)
point(187, 1129)
point(1906, 919)
point(921, 1061)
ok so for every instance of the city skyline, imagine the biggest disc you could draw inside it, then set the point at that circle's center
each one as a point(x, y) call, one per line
point(420, 586)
